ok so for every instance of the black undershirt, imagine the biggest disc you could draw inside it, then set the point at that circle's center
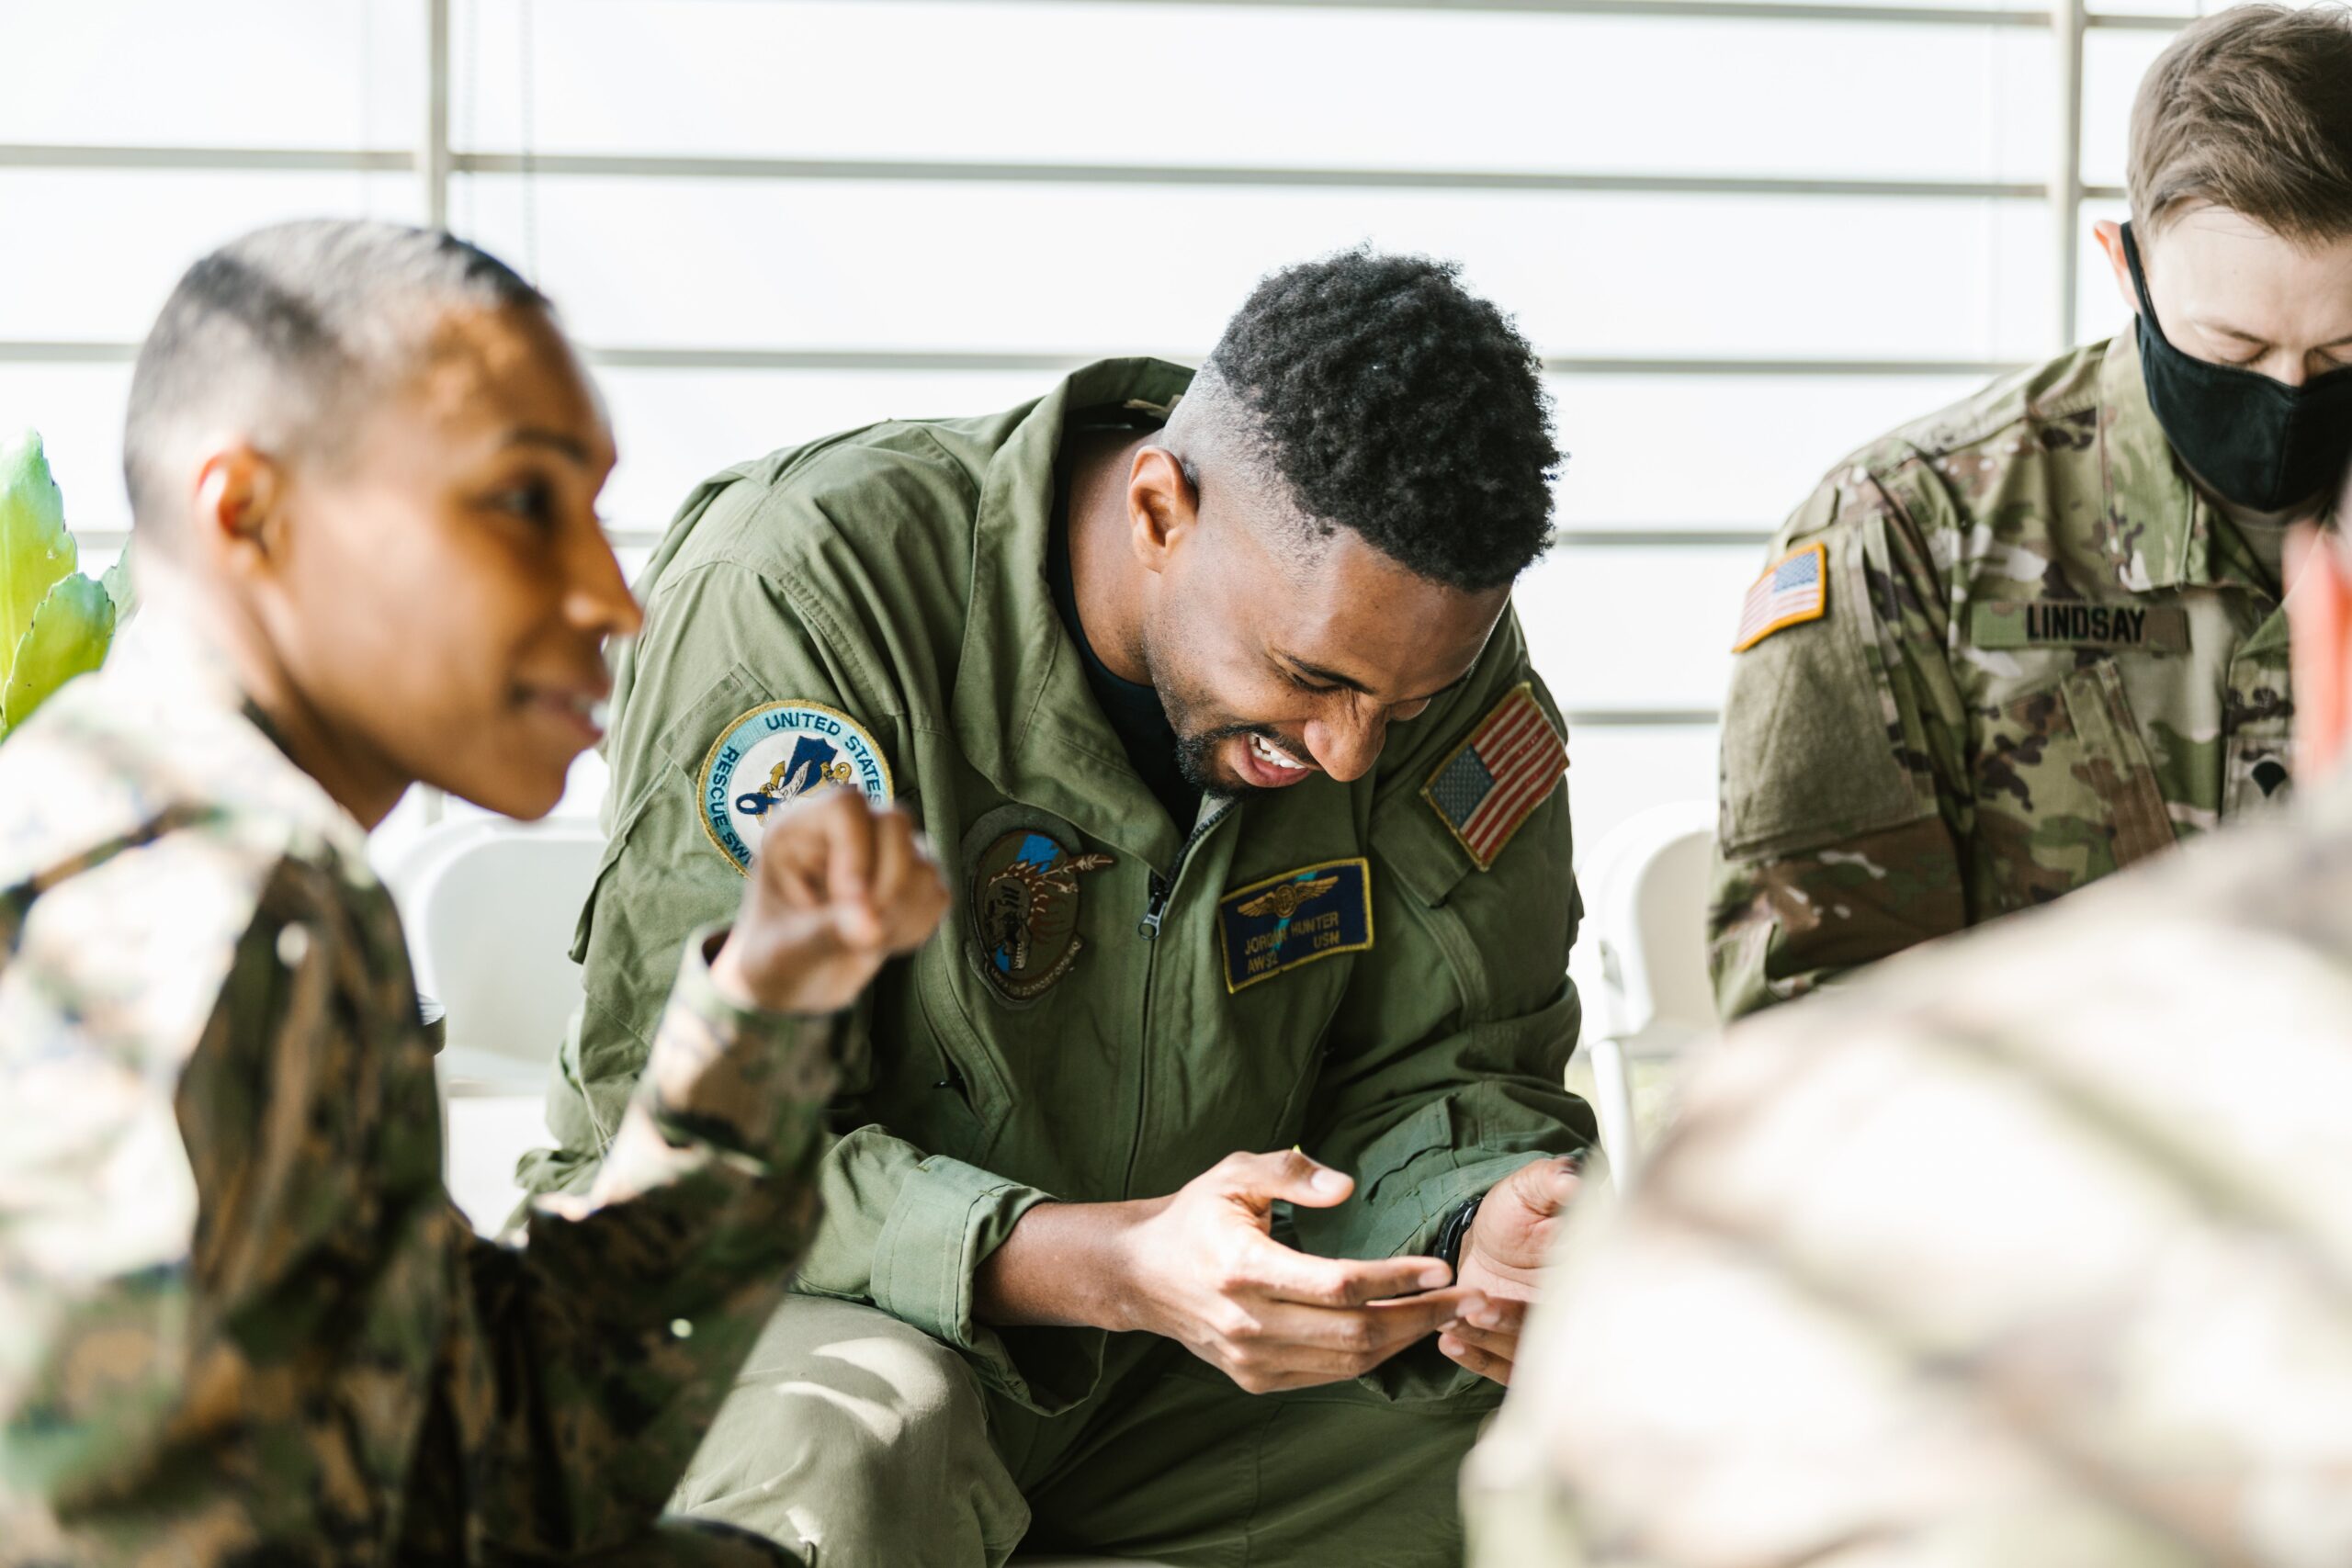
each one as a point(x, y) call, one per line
point(1135, 711)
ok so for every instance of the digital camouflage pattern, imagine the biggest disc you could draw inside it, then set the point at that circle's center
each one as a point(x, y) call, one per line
point(2028, 1249)
point(2044, 657)
point(245, 1322)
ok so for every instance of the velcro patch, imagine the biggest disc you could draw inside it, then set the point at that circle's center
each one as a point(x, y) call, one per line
point(1496, 779)
point(1317, 911)
point(1793, 590)
point(775, 753)
point(2059, 622)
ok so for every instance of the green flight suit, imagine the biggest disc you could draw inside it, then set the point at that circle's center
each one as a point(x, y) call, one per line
point(1102, 1021)
point(2038, 656)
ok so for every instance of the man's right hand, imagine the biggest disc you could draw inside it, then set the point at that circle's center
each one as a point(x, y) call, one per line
point(1201, 1268)
point(837, 886)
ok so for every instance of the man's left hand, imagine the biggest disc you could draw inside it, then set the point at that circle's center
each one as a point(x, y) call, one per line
point(1501, 1258)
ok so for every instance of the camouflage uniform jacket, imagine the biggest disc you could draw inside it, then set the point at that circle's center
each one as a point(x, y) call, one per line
point(1934, 1270)
point(2041, 656)
point(244, 1321)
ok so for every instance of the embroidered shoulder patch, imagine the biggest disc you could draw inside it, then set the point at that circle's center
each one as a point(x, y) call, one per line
point(1317, 911)
point(774, 753)
point(1793, 590)
point(1496, 779)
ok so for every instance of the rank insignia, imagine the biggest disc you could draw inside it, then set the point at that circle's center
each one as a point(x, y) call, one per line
point(774, 754)
point(1793, 590)
point(1024, 910)
point(1496, 779)
point(1317, 911)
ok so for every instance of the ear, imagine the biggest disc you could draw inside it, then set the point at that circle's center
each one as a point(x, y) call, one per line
point(1163, 509)
point(2319, 626)
point(2109, 235)
point(235, 516)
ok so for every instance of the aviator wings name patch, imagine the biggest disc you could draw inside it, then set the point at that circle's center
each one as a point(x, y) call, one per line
point(1317, 911)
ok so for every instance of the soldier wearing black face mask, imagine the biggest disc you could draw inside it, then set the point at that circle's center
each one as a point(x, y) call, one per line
point(2260, 444)
point(2037, 637)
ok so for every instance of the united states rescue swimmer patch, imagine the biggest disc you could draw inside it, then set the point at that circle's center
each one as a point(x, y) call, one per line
point(775, 753)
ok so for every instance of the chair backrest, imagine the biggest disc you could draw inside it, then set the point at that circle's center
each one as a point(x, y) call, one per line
point(1646, 894)
point(491, 906)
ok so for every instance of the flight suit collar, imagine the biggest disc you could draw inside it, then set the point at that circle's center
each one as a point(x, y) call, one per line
point(1022, 711)
point(2156, 529)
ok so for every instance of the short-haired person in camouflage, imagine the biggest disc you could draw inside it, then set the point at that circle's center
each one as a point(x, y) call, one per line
point(2028, 1250)
point(244, 1322)
point(2027, 641)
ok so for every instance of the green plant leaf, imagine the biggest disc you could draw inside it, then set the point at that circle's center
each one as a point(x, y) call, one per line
point(36, 552)
point(69, 636)
point(122, 587)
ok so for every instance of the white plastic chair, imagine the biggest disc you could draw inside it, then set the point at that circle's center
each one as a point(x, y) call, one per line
point(489, 907)
point(1646, 992)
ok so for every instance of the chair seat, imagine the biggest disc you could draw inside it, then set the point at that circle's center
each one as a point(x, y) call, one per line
point(488, 1132)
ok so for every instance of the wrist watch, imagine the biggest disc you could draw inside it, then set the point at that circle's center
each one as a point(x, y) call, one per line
point(1453, 1230)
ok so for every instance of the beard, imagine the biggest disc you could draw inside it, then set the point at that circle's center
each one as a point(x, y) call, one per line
point(1198, 736)
point(1195, 752)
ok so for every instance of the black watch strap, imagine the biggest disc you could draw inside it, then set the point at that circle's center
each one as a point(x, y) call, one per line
point(1453, 1230)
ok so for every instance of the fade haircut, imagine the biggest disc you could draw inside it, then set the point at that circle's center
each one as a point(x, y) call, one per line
point(1375, 393)
point(2250, 110)
point(285, 336)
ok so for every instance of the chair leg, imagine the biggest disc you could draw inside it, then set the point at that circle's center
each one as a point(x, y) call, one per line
point(1613, 1107)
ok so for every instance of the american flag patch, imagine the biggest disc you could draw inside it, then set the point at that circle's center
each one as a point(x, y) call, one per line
point(1793, 590)
point(1495, 780)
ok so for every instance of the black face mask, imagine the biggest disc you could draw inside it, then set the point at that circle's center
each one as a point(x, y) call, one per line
point(2258, 442)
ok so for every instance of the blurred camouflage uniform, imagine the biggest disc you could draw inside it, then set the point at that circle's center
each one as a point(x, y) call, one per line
point(2031, 1249)
point(242, 1321)
point(2042, 656)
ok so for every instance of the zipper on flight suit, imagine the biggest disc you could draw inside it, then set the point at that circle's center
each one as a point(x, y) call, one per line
point(1155, 908)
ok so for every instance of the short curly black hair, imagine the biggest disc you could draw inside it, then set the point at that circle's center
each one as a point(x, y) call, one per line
point(1391, 401)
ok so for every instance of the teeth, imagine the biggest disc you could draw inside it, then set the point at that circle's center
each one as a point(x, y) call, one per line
point(593, 709)
point(1267, 754)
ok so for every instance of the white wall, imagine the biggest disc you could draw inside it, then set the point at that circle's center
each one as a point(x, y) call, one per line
point(936, 267)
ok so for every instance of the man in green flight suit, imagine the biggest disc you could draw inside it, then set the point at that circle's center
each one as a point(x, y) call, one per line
point(2027, 641)
point(1209, 692)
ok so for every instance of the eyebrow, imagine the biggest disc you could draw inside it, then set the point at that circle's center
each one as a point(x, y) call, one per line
point(554, 440)
point(1333, 678)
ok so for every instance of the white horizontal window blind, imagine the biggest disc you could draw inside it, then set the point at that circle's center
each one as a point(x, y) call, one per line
point(1747, 235)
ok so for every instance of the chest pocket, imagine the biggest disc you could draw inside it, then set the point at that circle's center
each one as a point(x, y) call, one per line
point(2064, 793)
